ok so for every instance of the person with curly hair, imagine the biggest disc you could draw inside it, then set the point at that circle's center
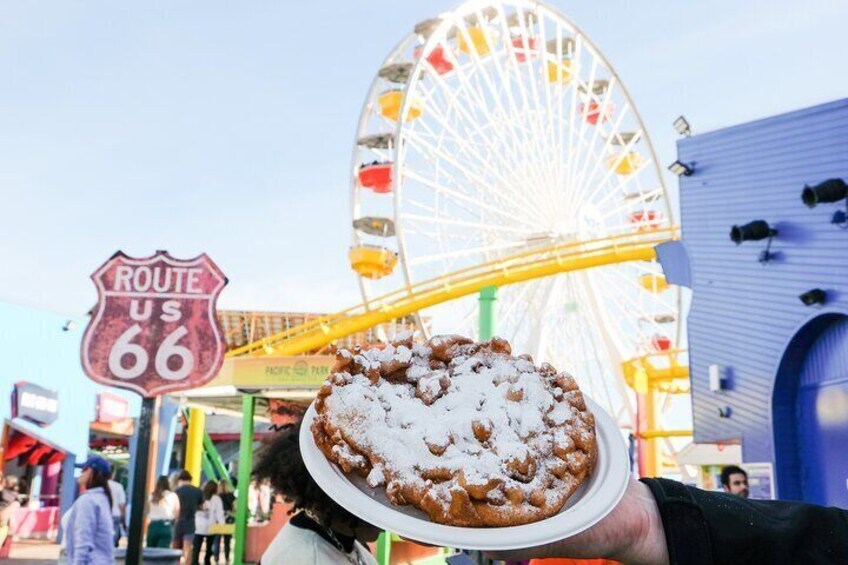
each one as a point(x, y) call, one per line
point(320, 531)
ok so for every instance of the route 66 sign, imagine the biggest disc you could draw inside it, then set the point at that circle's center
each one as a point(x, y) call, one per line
point(155, 328)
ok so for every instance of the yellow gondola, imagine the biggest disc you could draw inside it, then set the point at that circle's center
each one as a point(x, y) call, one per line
point(481, 41)
point(562, 72)
point(653, 283)
point(391, 102)
point(371, 261)
point(627, 165)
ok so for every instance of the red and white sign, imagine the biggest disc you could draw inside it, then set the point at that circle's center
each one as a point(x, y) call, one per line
point(155, 329)
point(112, 408)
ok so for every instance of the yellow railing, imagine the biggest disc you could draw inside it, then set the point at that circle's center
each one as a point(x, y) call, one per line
point(643, 373)
point(531, 264)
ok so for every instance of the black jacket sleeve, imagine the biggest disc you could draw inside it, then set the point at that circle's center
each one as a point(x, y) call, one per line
point(711, 528)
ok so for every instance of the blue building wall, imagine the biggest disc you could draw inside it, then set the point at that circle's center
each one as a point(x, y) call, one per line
point(744, 314)
point(34, 348)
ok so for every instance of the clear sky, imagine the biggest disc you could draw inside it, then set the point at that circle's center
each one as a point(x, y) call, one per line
point(226, 127)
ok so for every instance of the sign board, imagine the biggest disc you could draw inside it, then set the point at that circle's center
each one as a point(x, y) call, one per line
point(295, 372)
point(760, 480)
point(34, 403)
point(155, 328)
point(112, 408)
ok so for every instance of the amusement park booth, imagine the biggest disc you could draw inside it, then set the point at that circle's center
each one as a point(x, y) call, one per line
point(47, 410)
point(764, 225)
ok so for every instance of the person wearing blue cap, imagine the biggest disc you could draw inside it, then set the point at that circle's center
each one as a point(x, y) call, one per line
point(90, 529)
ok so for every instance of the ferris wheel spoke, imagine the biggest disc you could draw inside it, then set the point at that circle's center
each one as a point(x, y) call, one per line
point(611, 405)
point(481, 160)
point(470, 238)
point(493, 91)
point(614, 212)
point(465, 224)
point(432, 151)
point(463, 198)
point(614, 373)
point(585, 334)
point(475, 99)
point(655, 299)
point(515, 298)
point(532, 148)
point(464, 75)
point(627, 302)
point(622, 183)
point(597, 156)
point(542, 109)
point(441, 213)
point(518, 324)
point(576, 151)
point(591, 185)
point(466, 324)
point(481, 250)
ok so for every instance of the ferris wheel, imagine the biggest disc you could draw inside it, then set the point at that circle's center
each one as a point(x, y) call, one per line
point(497, 128)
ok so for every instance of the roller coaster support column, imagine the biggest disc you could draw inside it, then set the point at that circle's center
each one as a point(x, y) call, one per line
point(488, 321)
point(650, 464)
point(194, 443)
point(245, 469)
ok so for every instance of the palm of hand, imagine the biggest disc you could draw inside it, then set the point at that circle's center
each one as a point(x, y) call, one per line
point(632, 533)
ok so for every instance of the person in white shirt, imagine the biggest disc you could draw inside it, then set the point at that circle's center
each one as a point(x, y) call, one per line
point(119, 505)
point(265, 500)
point(163, 511)
point(210, 513)
point(321, 532)
point(253, 500)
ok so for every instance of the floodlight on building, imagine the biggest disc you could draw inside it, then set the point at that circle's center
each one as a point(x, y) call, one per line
point(681, 169)
point(813, 297)
point(752, 231)
point(831, 190)
point(681, 125)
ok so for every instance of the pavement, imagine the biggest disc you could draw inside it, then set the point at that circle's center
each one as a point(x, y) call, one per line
point(30, 552)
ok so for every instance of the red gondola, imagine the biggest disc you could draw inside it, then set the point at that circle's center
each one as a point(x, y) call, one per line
point(647, 219)
point(660, 343)
point(522, 53)
point(436, 58)
point(594, 113)
point(377, 177)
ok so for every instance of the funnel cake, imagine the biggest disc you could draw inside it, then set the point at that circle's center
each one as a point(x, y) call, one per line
point(463, 431)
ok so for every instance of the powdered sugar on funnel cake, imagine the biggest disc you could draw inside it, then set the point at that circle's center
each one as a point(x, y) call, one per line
point(463, 431)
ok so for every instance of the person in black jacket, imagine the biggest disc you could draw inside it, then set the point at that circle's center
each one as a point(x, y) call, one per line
point(660, 522)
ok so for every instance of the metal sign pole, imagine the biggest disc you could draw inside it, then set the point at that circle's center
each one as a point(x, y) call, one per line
point(135, 544)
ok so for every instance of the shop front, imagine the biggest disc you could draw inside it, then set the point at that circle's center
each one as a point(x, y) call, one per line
point(36, 461)
point(51, 415)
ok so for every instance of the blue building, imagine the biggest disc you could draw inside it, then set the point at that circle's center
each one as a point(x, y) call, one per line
point(768, 370)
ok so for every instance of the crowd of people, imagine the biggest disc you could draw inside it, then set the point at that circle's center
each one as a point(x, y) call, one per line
point(670, 522)
point(183, 516)
point(200, 517)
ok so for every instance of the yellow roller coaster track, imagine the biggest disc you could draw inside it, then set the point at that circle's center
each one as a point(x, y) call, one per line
point(532, 264)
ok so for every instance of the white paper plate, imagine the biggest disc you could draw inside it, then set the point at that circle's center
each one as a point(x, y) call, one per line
point(591, 502)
